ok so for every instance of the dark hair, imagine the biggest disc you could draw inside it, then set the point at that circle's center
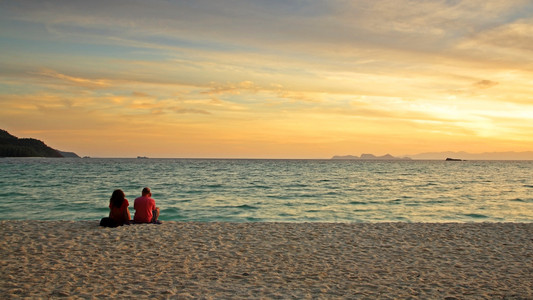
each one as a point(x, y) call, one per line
point(117, 198)
point(146, 191)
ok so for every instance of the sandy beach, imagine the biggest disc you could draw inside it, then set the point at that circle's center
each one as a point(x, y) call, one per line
point(53, 259)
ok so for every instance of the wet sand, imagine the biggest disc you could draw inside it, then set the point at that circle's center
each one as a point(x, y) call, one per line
point(53, 259)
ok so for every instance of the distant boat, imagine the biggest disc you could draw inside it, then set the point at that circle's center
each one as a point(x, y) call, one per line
point(86, 157)
point(453, 159)
point(142, 157)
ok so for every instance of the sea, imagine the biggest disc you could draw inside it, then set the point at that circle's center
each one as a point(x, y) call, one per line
point(261, 190)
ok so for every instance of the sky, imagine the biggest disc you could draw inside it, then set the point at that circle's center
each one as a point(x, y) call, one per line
point(268, 79)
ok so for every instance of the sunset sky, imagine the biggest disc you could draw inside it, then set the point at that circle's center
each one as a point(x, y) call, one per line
point(268, 79)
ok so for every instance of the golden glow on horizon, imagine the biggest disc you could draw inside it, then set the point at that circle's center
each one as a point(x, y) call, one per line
point(175, 80)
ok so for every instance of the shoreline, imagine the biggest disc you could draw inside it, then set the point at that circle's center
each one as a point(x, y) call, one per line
point(189, 260)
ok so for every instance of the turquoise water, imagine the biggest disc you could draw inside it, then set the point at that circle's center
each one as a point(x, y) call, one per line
point(271, 190)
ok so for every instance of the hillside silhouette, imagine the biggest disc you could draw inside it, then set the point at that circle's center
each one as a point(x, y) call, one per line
point(12, 146)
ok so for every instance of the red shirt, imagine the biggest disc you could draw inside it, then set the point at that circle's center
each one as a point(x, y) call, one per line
point(118, 214)
point(143, 209)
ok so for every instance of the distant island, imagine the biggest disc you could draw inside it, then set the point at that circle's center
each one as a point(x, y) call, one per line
point(369, 157)
point(453, 159)
point(12, 146)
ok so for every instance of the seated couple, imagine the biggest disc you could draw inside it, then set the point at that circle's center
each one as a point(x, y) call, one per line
point(119, 214)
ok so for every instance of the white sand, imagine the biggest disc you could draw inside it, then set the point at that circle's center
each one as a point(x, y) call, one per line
point(266, 260)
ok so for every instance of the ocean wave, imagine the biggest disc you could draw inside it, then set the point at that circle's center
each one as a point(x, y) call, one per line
point(530, 200)
point(476, 216)
point(358, 202)
point(243, 206)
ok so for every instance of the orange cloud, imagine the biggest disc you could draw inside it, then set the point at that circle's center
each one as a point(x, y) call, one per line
point(78, 81)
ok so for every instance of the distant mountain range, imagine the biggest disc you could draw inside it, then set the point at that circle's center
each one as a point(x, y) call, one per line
point(526, 155)
point(12, 146)
point(369, 157)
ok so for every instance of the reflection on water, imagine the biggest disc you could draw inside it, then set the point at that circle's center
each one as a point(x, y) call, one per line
point(272, 190)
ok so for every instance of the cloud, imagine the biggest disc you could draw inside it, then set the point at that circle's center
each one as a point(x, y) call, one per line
point(475, 88)
point(484, 84)
point(232, 89)
point(252, 25)
point(140, 95)
point(162, 107)
point(77, 81)
point(180, 110)
point(505, 45)
point(516, 35)
point(214, 41)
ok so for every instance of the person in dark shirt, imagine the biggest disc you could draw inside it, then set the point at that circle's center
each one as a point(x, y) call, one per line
point(118, 208)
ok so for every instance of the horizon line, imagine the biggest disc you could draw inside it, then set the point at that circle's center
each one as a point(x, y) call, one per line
point(257, 158)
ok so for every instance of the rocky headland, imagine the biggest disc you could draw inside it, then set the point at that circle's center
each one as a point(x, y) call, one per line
point(12, 146)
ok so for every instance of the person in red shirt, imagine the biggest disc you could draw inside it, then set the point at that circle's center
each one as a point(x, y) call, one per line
point(118, 208)
point(145, 209)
